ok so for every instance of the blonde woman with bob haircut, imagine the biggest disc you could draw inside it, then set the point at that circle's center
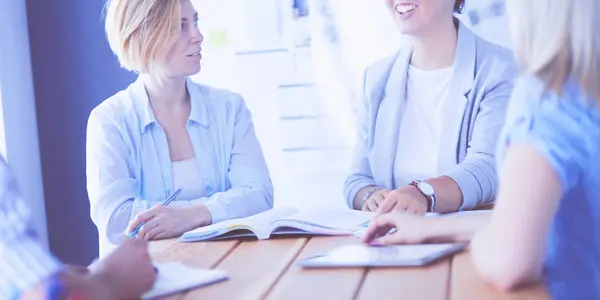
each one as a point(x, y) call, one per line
point(547, 218)
point(165, 132)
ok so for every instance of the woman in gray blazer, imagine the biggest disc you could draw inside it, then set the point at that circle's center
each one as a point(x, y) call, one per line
point(431, 117)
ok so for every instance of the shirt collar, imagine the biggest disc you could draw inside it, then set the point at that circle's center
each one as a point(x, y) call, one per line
point(198, 113)
point(198, 100)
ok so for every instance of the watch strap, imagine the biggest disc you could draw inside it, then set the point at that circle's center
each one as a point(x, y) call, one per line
point(431, 200)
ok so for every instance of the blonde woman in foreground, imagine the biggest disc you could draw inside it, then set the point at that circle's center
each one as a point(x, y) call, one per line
point(546, 221)
point(165, 132)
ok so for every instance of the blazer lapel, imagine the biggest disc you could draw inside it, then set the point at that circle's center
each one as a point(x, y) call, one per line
point(387, 125)
point(460, 85)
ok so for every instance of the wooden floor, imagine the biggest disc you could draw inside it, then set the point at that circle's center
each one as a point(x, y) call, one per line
point(267, 270)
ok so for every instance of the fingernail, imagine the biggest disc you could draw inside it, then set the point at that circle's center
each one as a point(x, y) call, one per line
point(375, 243)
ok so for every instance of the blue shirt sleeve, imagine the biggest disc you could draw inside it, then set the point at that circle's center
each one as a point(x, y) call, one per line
point(558, 127)
point(251, 189)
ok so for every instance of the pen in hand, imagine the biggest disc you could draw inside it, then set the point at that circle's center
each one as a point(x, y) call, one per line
point(165, 203)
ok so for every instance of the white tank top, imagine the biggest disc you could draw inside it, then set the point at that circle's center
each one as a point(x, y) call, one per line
point(186, 175)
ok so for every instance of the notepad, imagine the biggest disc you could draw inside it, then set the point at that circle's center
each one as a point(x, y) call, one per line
point(382, 256)
point(175, 278)
point(283, 221)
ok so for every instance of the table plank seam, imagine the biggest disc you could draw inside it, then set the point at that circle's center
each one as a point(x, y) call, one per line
point(214, 265)
point(168, 248)
point(287, 267)
point(360, 283)
point(227, 253)
point(449, 279)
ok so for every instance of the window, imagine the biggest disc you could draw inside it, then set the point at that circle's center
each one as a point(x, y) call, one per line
point(262, 50)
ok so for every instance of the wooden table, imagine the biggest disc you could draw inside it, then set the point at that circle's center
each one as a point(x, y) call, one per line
point(267, 270)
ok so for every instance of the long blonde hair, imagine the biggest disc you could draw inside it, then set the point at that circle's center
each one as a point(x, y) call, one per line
point(557, 40)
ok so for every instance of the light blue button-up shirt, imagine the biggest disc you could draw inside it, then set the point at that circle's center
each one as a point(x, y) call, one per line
point(129, 166)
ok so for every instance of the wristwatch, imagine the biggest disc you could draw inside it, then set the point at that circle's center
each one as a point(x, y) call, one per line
point(427, 190)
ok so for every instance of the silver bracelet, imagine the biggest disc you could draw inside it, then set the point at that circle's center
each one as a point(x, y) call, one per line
point(370, 193)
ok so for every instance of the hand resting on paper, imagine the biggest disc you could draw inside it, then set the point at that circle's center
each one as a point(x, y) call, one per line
point(168, 222)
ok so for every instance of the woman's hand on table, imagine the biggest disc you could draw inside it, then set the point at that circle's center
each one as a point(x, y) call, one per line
point(168, 222)
point(409, 229)
point(375, 200)
point(405, 199)
point(415, 229)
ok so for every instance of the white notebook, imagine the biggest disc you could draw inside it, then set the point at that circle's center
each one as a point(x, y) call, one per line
point(175, 277)
point(283, 221)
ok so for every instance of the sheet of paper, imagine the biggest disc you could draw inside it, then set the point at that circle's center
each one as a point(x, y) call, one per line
point(263, 221)
point(176, 277)
point(368, 222)
point(260, 222)
point(360, 232)
point(346, 219)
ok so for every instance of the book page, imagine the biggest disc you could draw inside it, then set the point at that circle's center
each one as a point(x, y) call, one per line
point(262, 222)
point(368, 222)
point(339, 219)
point(258, 223)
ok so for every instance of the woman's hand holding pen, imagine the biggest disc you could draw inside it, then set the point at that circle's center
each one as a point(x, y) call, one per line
point(164, 222)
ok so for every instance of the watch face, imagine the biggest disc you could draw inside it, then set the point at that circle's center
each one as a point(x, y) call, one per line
point(426, 188)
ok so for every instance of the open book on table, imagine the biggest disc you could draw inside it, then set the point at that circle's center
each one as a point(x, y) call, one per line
point(283, 221)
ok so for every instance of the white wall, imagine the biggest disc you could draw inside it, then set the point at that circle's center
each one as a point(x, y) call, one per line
point(18, 115)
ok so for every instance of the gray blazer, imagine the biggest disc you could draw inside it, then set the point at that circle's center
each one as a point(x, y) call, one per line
point(481, 85)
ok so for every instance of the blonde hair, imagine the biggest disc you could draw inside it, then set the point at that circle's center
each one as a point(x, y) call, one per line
point(557, 40)
point(142, 32)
